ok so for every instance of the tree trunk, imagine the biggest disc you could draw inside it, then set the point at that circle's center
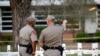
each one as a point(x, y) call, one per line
point(20, 10)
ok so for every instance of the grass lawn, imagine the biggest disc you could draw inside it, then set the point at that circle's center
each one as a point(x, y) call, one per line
point(3, 48)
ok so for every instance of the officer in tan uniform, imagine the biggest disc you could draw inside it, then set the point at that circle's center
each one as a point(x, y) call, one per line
point(51, 38)
point(28, 35)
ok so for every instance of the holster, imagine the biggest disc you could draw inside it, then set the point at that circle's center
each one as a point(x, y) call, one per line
point(61, 49)
point(45, 47)
point(29, 48)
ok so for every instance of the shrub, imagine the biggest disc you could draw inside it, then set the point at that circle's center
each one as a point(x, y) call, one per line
point(97, 34)
point(84, 37)
point(7, 37)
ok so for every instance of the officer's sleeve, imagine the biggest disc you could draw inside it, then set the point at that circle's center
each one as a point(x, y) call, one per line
point(41, 38)
point(33, 36)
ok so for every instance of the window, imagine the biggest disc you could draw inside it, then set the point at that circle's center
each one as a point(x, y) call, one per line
point(73, 24)
point(40, 20)
point(98, 6)
point(6, 19)
point(98, 16)
point(99, 12)
point(41, 23)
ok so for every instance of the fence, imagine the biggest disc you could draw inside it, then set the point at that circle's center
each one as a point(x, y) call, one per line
point(79, 51)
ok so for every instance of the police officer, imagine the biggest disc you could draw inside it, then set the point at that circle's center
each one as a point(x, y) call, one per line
point(51, 38)
point(27, 35)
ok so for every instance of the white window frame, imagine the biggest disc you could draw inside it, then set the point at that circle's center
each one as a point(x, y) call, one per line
point(98, 28)
point(79, 24)
point(0, 21)
point(5, 21)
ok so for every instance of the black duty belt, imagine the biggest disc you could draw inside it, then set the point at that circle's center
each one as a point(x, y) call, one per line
point(60, 48)
point(52, 47)
point(22, 45)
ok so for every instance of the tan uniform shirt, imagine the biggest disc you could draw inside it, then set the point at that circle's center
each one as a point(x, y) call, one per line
point(52, 36)
point(27, 33)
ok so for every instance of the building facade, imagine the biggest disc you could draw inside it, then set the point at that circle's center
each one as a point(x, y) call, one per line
point(6, 18)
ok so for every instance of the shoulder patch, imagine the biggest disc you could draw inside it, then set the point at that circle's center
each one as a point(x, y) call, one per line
point(34, 32)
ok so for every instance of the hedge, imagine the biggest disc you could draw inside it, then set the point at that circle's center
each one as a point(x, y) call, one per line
point(84, 37)
point(6, 39)
point(97, 34)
